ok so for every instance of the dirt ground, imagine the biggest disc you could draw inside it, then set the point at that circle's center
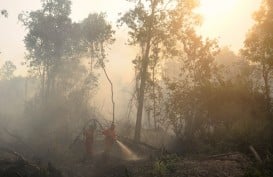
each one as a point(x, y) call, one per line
point(150, 164)
point(223, 166)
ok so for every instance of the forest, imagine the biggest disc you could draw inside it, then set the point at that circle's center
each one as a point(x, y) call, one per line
point(192, 108)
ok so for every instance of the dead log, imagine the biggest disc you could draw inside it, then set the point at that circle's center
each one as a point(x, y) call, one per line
point(222, 155)
point(19, 157)
point(21, 167)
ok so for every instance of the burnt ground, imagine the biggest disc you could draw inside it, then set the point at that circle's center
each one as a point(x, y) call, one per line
point(222, 166)
point(150, 164)
point(230, 166)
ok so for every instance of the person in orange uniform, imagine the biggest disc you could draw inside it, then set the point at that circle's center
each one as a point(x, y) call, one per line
point(89, 140)
point(110, 139)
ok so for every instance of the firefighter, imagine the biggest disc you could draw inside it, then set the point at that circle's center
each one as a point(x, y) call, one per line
point(110, 139)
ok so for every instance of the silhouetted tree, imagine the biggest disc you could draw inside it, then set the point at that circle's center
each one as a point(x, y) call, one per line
point(97, 35)
point(156, 27)
point(259, 43)
point(48, 40)
point(96, 31)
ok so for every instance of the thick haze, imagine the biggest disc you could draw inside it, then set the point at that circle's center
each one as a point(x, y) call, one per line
point(226, 20)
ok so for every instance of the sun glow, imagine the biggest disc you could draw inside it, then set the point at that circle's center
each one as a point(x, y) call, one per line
point(220, 8)
point(226, 20)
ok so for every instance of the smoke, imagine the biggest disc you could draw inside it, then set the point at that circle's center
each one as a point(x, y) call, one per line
point(121, 71)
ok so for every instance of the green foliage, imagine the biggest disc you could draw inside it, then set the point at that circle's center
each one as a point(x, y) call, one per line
point(258, 43)
point(53, 45)
point(160, 169)
point(96, 29)
point(97, 34)
point(223, 110)
point(56, 48)
point(162, 30)
point(48, 33)
point(166, 165)
point(211, 108)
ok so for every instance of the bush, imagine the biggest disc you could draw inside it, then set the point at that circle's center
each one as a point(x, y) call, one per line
point(166, 165)
point(264, 169)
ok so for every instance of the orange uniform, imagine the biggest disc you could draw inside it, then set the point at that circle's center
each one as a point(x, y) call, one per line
point(110, 138)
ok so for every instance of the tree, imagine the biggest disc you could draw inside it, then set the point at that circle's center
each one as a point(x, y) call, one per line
point(259, 43)
point(7, 70)
point(48, 40)
point(188, 95)
point(97, 34)
point(96, 31)
point(155, 26)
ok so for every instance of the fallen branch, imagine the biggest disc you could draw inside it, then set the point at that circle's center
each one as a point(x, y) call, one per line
point(255, 153)
point(79, 134)
point(20, 158)
point(222, 155)
point(85, 126)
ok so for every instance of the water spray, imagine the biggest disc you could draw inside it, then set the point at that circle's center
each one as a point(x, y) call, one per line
point(128, 153)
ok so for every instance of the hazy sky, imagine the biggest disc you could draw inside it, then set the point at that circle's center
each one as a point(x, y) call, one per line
point(226, 20)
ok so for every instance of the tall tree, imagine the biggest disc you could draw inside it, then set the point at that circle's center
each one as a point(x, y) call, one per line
point(97, 34)
point(155, 26)
point(189, 93)
point(258, 44)
point(47, 40)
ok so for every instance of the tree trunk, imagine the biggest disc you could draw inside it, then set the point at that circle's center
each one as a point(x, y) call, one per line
point(149, 117)
point(143, 78)
point(267, 88)
point(26, 90)
point(110, 82)
point(43, 84)
point(112, 93)
point(48, 81)
point(154, 103)
point(143, 74)
point(91, 56)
